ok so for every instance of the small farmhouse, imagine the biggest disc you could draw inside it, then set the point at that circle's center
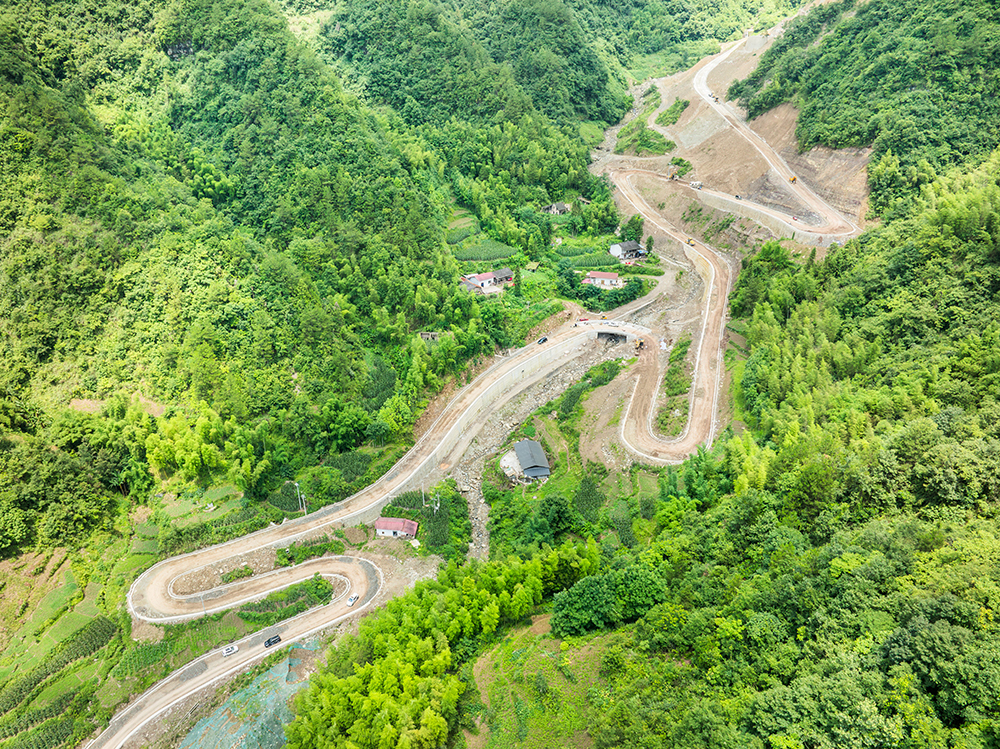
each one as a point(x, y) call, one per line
point(556, 209)
point(628, 250)
point(603, 280)
point(472, 286)
point(502, 276)
point(396, 528)
point(532, 458)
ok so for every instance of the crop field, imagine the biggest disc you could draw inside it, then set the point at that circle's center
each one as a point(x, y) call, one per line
point(483, 249)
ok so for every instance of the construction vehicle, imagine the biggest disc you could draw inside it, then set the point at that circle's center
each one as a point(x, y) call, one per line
point(640, 344)
point(793, 179)
point(696, 185)
point(690, 241)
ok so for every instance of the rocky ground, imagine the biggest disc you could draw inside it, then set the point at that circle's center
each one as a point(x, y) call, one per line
point(468, 474)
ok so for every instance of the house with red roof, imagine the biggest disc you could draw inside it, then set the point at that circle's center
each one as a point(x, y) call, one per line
point(396, 527)
point(603, 280)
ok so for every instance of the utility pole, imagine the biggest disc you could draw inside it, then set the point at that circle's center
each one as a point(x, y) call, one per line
point(302, 500)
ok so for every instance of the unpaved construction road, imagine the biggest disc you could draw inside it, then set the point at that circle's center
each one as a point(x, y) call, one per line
point(153, 598)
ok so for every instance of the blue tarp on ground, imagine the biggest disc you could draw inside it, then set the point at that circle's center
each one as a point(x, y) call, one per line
point(254, 717)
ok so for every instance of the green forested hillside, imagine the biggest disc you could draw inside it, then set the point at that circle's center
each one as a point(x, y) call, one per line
point(830, 577)
point(224, 253)
point(916, 80)
point(827, 578)
point(495, 61)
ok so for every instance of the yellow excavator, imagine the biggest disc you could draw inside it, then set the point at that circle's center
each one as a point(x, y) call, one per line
point(793, 179)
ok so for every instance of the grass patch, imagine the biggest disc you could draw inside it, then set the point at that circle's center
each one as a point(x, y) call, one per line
point(591, 133)
point(639, 139)
point(677, 379)
point(673, 416)
point(217, 493)
point(538, 691)
point(671, 114)
point(668, 61)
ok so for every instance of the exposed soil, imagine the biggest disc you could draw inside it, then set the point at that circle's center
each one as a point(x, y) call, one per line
point(839, 176)
point(728, 163)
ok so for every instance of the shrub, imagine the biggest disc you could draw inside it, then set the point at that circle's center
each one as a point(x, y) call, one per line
point(303, 550)
point(287, 603)
point(238, 574)
point(671, 114)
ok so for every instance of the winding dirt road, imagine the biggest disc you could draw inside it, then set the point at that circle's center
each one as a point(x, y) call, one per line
point(152, 597)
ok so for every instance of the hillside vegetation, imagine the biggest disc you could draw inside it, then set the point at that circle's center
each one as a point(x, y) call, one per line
point(915, 80)
point(827, 578)
point(220, 244)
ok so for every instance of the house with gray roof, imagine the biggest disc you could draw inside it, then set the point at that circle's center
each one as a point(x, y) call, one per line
point(532, 458)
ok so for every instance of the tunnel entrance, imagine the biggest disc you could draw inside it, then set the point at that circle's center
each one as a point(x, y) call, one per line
point(609, 337)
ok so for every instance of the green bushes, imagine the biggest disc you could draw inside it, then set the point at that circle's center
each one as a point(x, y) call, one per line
point(140, 656)
point(595, 377)
point(443, 515)
point(238, 574)
point(683, 165)
point(922, 112)
point(287, 603)
point(671, 114)
point(411, 650)
point(303, 550)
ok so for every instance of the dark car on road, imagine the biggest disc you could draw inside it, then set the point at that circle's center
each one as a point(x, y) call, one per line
point(272, 641)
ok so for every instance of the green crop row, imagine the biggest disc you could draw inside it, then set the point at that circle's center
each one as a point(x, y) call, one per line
point(16, 723)
point(571, 251)
point(484, 249)
point(595, 260)
point(139, 657)
point(89, 639)
point(47, 736)
point(454, 236)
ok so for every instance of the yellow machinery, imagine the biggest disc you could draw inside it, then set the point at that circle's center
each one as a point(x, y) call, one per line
point(793, 179)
